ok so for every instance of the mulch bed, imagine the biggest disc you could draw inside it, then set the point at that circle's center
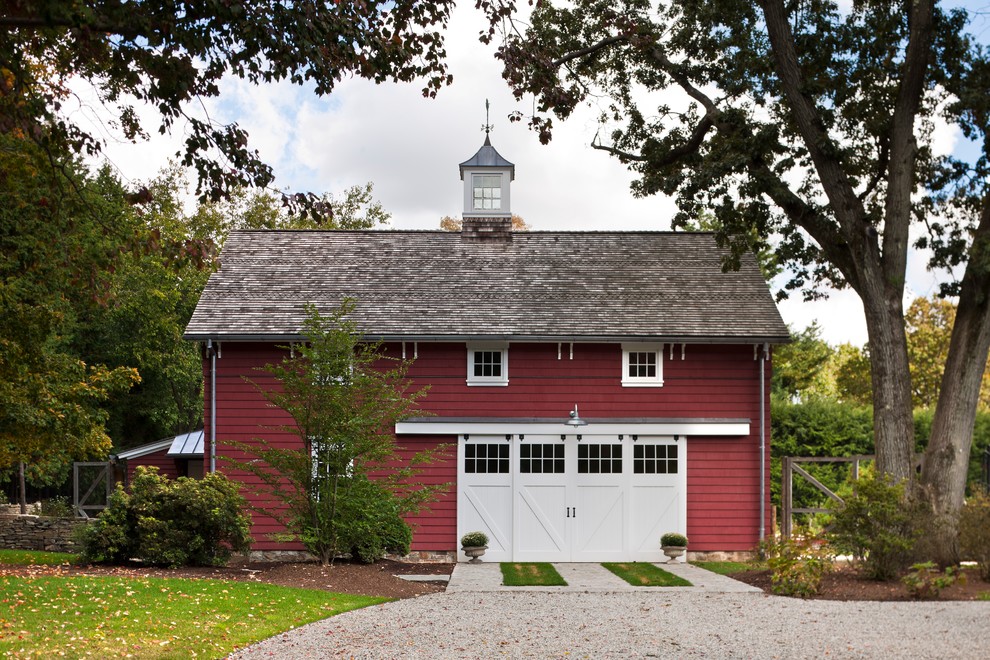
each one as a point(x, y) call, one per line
point(846, 583)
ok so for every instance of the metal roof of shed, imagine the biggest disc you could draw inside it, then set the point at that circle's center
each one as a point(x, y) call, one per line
point(187, 444)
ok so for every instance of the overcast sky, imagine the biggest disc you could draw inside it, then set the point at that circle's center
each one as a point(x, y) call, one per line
point(410, 147)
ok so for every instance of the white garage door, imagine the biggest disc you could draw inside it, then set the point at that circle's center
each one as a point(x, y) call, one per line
point(548, 498)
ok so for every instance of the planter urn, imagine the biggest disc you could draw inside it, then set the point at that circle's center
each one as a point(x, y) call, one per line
point(673, 552)
point(475, 552)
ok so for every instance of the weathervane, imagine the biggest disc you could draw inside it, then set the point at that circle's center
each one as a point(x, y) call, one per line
point(487, 128)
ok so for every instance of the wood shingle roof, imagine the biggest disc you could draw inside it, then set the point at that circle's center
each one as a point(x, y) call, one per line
point(562, 286)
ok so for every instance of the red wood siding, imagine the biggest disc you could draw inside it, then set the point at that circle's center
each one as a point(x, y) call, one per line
point(242, 416)
point(166, 465)
point(712, 381)
point(435, 527)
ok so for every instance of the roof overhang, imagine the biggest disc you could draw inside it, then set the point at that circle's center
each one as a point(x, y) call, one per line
point(557, 426)
point(144, 450)
point(576, 339)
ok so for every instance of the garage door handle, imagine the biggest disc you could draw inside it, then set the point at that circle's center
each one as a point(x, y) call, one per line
point(572, 512)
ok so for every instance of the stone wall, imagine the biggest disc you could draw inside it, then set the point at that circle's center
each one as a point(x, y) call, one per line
point(37, 533)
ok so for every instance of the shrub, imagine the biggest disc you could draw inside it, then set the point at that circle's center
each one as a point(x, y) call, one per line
point(974, 531)
point(57, 507)
point(168, 522)
point(674, 539)
point(879, 526)
point(926, 581)
point(797, 566)
point(474, 540)
point(109, 538)
point(369, 523)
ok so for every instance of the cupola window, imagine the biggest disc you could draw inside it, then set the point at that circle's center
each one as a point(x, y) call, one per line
point(487, 192)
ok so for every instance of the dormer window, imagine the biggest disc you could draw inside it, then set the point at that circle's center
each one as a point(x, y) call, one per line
point(642, 365)
point(488, 363)
point(487, 192)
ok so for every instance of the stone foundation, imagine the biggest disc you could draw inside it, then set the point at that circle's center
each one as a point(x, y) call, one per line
point(280, 556)
point(732, 555)
point(37, 533)
point(416, 557)
point(427, 557)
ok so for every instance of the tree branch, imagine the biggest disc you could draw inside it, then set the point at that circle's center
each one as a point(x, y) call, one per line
point(847, 207)
point(805, 216)
point(601, 45)
point(39, 23)
point(682, 81)
point(903, 147)
point(621, 155)
point(670, 156)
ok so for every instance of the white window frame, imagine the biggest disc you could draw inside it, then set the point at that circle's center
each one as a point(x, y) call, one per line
point(476, 180)
point(492, 347)
point(642, 381)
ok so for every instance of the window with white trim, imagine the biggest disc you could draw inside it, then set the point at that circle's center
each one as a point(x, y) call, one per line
point(488, 364)
point(642, 365)
point(487, 192)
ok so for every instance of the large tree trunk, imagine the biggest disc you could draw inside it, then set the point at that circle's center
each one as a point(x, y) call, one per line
point(893, 419)
point(875, 271)
point(946, 460)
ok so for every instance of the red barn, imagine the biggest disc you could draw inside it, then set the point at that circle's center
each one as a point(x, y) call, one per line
point(597, 389)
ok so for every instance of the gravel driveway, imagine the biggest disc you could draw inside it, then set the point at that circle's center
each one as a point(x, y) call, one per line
point(665, 624)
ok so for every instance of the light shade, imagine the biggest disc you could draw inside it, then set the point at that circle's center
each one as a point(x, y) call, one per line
point(575, 419)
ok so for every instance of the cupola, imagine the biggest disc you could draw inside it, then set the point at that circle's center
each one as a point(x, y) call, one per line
point(487, 177)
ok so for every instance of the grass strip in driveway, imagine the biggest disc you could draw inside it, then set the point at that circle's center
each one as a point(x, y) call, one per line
point(36, 557)
point(102, 617)
point(531, 574)
point(725, 567)
point(645, 575)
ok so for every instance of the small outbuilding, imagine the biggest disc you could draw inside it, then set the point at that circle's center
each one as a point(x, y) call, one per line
point(178, 456)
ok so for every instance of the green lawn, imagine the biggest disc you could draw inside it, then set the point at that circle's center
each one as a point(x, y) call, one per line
point(724, 567)
point(531, 574)
point(152, 617)
point(35, 557)
point(645, 575)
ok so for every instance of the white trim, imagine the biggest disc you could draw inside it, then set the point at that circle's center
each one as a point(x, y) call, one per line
point(687, 428)
point(642, 381)
point(144, 450)
point(497, 381)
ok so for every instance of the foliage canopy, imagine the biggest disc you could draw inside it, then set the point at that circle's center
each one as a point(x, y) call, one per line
point(166, 55)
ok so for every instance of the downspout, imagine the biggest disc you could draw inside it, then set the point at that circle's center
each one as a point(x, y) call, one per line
point(213, 405)
point(764, 355)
